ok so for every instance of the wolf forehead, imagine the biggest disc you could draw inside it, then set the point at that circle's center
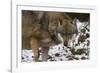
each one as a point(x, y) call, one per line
point(52, 21)
point(57, 22)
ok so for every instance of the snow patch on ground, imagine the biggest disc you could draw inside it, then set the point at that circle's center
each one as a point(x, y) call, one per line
point(77, 51)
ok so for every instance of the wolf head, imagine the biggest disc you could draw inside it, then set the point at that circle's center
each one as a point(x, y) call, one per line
point(59, 25)
point(62, 26)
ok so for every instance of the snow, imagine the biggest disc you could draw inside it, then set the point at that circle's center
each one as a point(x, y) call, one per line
point(27, 56)
point(60, 52)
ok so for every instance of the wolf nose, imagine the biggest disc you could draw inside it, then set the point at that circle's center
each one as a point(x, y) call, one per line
point(65, 43)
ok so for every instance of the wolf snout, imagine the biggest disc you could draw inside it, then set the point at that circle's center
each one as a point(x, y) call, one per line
point(65, 43)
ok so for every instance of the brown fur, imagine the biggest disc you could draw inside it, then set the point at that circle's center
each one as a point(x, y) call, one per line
point(39, 30)
point(33, 36)
point(63, 24)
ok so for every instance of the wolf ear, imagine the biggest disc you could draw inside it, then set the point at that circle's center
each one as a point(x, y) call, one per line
point(74, 25)
point(75, 21)
point(38, 16)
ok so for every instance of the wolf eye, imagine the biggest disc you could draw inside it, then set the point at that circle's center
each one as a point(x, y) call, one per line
point(71, 22)
point(60, 24)
point(55, 23)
